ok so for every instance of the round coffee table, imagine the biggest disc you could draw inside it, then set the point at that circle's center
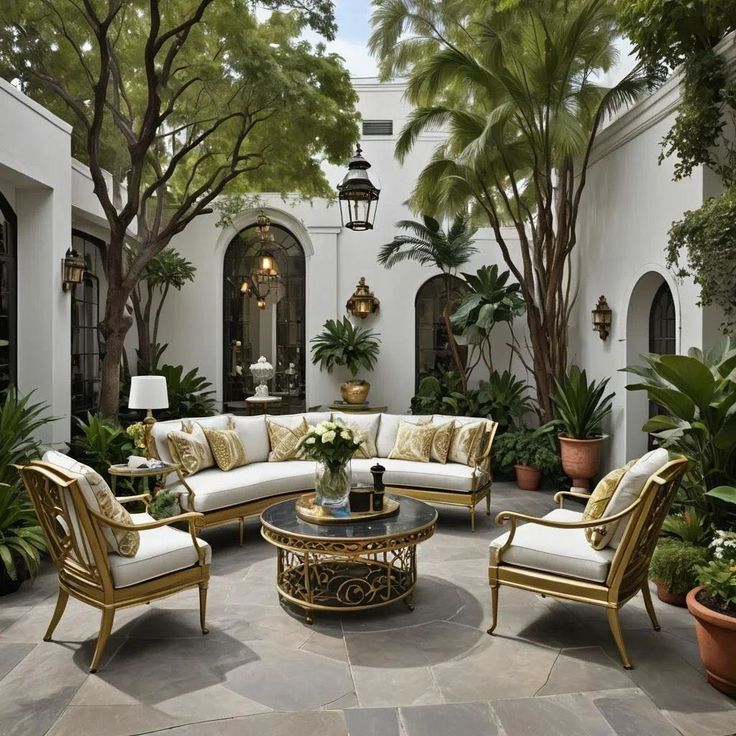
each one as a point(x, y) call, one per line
point(347, 567)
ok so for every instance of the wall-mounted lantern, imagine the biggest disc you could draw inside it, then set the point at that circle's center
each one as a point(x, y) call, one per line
point(602, 316)
point(73, 268)
point(363, 302)
point(358, 195)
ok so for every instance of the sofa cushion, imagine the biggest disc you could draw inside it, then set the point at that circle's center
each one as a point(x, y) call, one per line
point(628, 490)
point(441, 441)
point(227, 448)
point(162, 551)
point(214, 489)
point(160, 430)
point(254, 436)
point(366, 425)
point(284, 438)
point(557, 551)
point(389, 427)
point(100, 499)
point(361, 470)
point(449, 477)
point(466, 441)
point(413, 442)
point(189, 448)
point(312, 418)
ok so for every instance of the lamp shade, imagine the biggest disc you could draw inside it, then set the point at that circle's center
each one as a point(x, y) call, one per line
point(148, 392)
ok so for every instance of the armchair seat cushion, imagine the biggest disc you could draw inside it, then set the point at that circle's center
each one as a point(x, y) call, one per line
point(556, 551)
point(413, 474)
point(162, 551)
point(214, 489)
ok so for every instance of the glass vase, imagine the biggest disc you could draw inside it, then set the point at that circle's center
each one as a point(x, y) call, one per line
point(332, 484)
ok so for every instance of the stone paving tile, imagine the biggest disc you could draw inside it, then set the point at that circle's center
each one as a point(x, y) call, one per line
point(586, 668)
point(632, 713)
point(469, 719)
point(387, 687)
point(11, 654)
point(372, 722)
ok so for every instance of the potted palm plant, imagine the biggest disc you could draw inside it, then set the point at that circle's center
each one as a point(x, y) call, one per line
point(581, 407)
point(342, 344)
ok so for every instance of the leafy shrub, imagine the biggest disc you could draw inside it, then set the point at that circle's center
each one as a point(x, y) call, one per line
point(718, 579)
point(532, 447)
point(674, 565)
point(190, 395)
point(689, 526)
point(21, 537)
point(164, 505)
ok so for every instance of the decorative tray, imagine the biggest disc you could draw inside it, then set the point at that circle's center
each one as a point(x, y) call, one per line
point(308, 510)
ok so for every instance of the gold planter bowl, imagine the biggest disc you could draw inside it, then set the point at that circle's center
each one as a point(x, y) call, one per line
point(355, 392)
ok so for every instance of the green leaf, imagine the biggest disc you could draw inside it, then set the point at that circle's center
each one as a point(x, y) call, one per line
point(723, 493)
point(690, 376)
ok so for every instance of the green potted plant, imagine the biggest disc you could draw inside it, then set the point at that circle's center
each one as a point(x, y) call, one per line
point(673, 569)
point(713, 605)
point(581, 407)
point(342, 344)
point(531, 453)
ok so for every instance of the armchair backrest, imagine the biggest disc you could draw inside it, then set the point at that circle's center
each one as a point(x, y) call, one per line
point(75, 541)
point(630, 565)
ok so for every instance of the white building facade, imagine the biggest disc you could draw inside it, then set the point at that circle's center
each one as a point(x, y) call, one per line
point(47, 203)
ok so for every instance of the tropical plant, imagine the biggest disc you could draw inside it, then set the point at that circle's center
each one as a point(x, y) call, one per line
point(441, 392)
point(674, 565)
point(165, 271)
point(20, 421)
point(534, 448)
point(490, 301)
point(429, 245)
point(165, 504)
point(517, 87)
point(581, 406)
point(21, 538)
point(99, 443)
point(172, 104)
point(688, 525)
point(698, 392)
point(504, 399)
point(190, 395)
point(342, 344)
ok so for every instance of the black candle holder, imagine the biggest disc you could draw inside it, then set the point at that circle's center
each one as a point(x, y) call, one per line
point(377, 472)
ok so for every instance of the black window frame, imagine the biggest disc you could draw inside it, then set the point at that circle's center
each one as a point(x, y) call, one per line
point(10, 257)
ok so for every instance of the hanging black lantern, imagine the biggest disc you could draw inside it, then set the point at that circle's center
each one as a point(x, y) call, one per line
point(357, 194)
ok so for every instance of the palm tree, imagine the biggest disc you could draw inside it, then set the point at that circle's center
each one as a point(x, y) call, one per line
point(429, 245)
point(516, 87)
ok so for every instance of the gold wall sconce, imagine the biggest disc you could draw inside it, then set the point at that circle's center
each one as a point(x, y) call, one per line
point(363, 302)
point(73, 268)
point(602, 317)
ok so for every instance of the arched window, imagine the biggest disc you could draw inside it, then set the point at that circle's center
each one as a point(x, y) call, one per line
point(276, 331)
point(85, 375)
point(662, 338)
point(8, 295)
point(432, 346)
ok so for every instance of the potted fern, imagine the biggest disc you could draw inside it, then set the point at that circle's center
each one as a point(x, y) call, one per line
point(581, 408)
point(342, 344)
point(531, 453)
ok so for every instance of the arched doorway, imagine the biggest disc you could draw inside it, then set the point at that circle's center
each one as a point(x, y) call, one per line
point(432, 348)
point(8, 295)
point(277, 330)
point(651, 327)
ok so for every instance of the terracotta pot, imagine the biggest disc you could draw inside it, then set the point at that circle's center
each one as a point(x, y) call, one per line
point(355, 392)
point(527, 478)
point(580, 459)
point(672, 599)
point(716, 634)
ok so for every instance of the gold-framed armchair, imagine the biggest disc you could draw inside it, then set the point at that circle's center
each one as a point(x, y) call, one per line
point(168, 560)
point(551, 556)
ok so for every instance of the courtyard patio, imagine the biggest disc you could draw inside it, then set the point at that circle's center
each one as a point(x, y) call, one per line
point(551, 667)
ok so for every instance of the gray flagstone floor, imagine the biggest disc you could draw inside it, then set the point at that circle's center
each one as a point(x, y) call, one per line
point(552, 669)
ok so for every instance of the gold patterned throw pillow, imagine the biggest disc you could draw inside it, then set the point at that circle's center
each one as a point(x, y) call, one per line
point(465, 441)
point(441, 442)
point(598, 502)
point(190, 449)
point(284, 441)
point(99, 498)
point(227, 448)
point(413, 442)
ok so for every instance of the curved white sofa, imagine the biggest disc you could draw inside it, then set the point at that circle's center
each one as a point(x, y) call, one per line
point(246, 491)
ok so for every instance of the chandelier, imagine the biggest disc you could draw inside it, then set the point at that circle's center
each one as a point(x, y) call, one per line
point(265, 274)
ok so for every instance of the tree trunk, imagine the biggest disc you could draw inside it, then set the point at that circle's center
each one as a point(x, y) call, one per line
point(542, 358)
point(114, 328)
point(144, 342)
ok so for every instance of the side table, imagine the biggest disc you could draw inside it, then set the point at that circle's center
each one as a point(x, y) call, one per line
point(263, 402)
point(143, 474)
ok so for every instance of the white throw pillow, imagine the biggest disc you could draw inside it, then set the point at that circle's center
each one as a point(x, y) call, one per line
point(389, 427)
point(629, 489)
point(367, 425)
point(254, 436)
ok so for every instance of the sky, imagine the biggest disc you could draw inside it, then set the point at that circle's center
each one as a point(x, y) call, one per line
point(353, 30)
